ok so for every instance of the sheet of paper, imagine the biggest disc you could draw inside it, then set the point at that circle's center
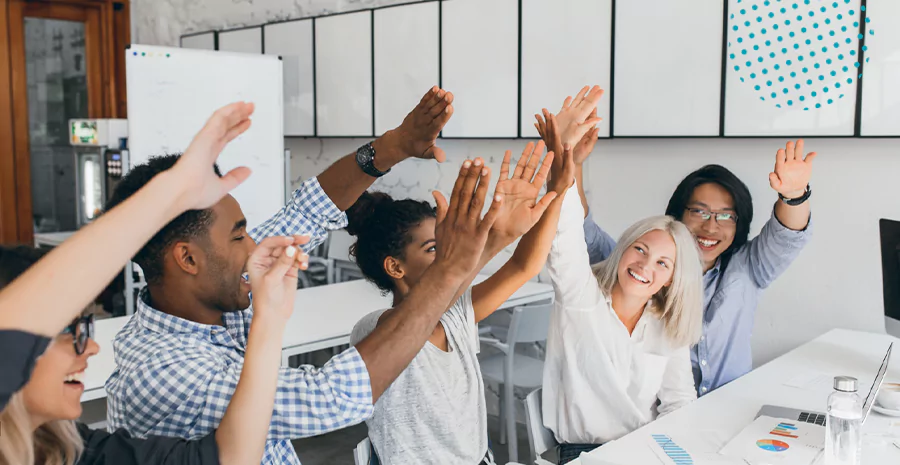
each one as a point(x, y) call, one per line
point(772, 441)
point(696, 448)
point(812, 382)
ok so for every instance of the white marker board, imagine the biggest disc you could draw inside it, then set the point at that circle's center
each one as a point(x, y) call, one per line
point(293, 41)
point(668, 70)
point(481, 67)
point(586, 47)
point(406, 60)
point(172, 92)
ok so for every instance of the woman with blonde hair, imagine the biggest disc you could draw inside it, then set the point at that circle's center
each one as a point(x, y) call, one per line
point(618, 347)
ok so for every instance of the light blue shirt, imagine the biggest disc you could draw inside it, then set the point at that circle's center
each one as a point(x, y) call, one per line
point(730, 297)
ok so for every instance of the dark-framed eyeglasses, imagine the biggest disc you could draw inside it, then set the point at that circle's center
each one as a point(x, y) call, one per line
point(728, 219)
point(81, 329)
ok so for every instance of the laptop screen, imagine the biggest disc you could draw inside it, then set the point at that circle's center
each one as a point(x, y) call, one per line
point(873, 391)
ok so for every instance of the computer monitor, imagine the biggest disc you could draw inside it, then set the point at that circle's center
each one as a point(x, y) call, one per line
point(890, 267)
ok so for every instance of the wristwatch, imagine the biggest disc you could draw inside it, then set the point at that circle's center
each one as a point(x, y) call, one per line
point(798, 200)
point(365, 158)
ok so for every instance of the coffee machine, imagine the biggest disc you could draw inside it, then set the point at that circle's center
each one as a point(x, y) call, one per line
point(101, 159)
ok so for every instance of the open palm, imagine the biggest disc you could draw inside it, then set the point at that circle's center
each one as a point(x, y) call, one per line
point(521, 209)
point(792, 171)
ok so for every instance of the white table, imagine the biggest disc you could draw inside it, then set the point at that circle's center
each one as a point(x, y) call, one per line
point(710, 422)
point(323, 317)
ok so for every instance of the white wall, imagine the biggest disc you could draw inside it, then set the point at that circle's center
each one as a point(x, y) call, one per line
point(836, 282)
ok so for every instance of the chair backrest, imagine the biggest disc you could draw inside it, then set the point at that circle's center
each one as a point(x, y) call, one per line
point(529, 324)
point(539, 438)
point(361, 453)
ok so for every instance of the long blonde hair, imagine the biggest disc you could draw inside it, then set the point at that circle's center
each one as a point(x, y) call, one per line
point(53, 443)
point(679, 305)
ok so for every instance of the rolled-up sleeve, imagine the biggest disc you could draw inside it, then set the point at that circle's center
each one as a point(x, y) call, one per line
point(310, 212)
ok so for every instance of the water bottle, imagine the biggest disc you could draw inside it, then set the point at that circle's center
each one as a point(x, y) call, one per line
point(843, 440)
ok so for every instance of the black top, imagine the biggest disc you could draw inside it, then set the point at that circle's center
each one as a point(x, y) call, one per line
point(19, 352)
point(119, 448)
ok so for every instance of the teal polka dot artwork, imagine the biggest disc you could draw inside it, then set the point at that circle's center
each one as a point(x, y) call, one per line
point(827, 35)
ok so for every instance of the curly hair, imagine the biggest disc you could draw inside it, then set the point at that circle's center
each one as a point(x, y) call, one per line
point(381, 226)
point(189, 225)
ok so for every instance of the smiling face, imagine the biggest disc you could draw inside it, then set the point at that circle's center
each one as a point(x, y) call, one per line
point(713, 237)
point(57, 382)
point(647, 265)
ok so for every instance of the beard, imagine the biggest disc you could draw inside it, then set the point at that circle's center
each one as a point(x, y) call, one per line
point(226, 295)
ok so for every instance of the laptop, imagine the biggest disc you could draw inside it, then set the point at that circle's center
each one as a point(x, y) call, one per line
point(818, 418)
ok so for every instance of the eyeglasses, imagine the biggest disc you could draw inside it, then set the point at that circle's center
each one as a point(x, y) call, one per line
point(726, 219)
point(81, 329)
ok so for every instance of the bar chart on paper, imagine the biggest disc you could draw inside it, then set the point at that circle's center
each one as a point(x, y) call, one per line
point(673, 451)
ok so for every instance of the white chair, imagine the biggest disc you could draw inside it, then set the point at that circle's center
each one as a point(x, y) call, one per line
point(361, 453)
point(540, 439)
point(528, 325)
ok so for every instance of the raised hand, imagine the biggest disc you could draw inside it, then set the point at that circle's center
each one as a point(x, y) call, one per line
point(576, 113)
point(461, 233)
point(195, 167)
point(580, 133)
point(562, 170)
point(792, 171)
point(521, 208)
point(585, 146)
point(418, 132)
point(273, 269)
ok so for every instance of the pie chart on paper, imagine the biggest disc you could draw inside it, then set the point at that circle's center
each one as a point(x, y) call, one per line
point(772, 445)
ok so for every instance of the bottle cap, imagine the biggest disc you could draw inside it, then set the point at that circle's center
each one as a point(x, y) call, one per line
point(845, 383)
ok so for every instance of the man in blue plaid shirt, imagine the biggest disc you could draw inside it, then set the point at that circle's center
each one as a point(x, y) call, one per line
point(179, 358)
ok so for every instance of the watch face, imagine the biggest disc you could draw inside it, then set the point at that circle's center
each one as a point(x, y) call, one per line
point(365, 154)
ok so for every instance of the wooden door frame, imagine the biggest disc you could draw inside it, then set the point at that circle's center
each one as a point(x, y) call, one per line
point(107, 32)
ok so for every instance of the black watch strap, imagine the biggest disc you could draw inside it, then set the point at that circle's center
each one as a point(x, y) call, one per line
point(798, 200)
point(365, 158)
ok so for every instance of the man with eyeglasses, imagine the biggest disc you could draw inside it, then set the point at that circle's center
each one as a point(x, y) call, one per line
point(718, 209)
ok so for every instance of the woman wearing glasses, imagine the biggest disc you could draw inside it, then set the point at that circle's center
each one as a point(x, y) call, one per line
point(38, 424)
point(717, 208)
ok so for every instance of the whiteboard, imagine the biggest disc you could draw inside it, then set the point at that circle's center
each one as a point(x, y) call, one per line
point(406, 60)
point(344, 75)
point(171, 94)
point(247, 40)
point(204, 41)
point(480, 54)
point(881, 73)
point(801, 80)
point(293, 41)
point(668, 69)
point(588, 24)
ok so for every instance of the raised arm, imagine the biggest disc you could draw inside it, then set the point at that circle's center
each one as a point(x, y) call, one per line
point(416, 137)
point(110, 241)
point(273, 266)
point(520, 211)
point(461, 235)
point(770, 253)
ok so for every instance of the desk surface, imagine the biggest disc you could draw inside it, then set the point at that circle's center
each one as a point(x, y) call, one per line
point(323, 317)
point(326, 313)
point(717, 417)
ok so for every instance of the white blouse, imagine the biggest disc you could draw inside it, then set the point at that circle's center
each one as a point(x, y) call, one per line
point(600, 383)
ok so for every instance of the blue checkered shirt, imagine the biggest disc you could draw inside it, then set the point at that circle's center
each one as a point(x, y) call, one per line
point(175, 377)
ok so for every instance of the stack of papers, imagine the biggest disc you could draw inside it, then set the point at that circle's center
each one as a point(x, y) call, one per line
point(773, 441)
